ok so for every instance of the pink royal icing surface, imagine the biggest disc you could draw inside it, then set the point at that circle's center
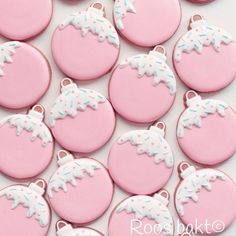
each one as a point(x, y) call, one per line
point(26, 19)
point(19, 80)
point(147, 23)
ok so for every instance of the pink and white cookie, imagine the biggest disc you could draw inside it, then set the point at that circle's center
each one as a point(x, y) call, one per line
point(82, 120)
point(86, 45)
point(141, 161)
point(202, 196)
point(24, 19)
point(147, 23)
point(65, 229)
point(205, 56)
point(206, 130)
point(24, 210)
point(26, 144)
point(141, 82)
point(25, 75)
point(80, 190)
point(142, 215)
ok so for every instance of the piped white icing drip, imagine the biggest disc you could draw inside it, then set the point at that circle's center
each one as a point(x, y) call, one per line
point(150, 142)
point(7, 50)
point(31, 124)
point(149, 207)
point(153, 65)
point(197, 110)
point(81, 232)
point(199, 36)
point(36, 204)
point(73, 99)
point(121, 8)
point(70, 173)
point(90, 21)
point(192, 185)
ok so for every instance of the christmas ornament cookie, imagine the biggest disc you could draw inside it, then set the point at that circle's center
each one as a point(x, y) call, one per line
point(203, 196)
point(205, 56)
point(24, 19)
point(65, 229)
point(86, 45)
point(26, 144)
point(206, 130)
point(139, 83)
point(24, 211)
point(141, 161)
point(147, 23)
point(82, 120)
point(80, 190)
point(142, 215)
point(24, 75)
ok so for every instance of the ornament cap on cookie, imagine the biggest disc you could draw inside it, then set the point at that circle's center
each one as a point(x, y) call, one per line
point(62, 228)
point(192, 98)
point(185, 169)
point(163, 196)
point(39, 186)
point(160, 52)
point(64, 157)
point(97, 8)
point(159, 127)
point(196, 20)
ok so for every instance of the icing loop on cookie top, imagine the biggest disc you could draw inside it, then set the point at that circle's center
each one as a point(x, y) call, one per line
point(7, 50)
point(30, 199)
point(121, 8)
point(201, 34)
point(154, 65)
point(73, 99)
point(198, 109)
point(94, 22)
point(193, 182)
point(150, 142)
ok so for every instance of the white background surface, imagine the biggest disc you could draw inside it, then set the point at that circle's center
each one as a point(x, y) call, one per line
point(220, 13)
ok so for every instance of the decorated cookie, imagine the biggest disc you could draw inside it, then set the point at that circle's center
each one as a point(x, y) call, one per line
point(206, 130)
point(86, 45)
point(142, 215)
point(203, 196)
point(147, 23)
point(82, 120)
point(65, 229)
point(24, 74)
point(80, 190)
point(26, 144)
point(24, 19)
point(142, 88)
point(24, 211)
point(205, 56)
point(141, 161)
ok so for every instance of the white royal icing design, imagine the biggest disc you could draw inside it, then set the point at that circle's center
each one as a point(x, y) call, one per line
point(90, 21)
point(70, 173)
point(145, 206)
point(7, 50)
point(81, 232)
point(36, 204)
point(192, 185)
point(199, 36)
point(121, 8)
point(153, 65)
point(31, 124)
point(150, 142)
point(197, 110)
point(73, 99)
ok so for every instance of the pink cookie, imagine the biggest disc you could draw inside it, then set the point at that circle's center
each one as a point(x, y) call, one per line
point(200, 1)
point(147, 23)
point(86, 45)
point(205, 57)
point(24, 75)
point(26, 144)
point(141, 82)
point(142, 215)
point(205, 196)
point(206, 130)
point(80, 190)
point(82, 120)
point(141, 161)
point(24, 19)
point(24, 211)
point(65, 229)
